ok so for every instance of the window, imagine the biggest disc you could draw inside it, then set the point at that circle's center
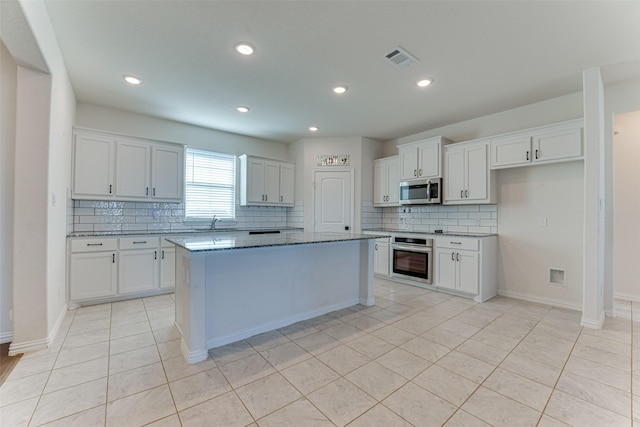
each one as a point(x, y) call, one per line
point(210, 184)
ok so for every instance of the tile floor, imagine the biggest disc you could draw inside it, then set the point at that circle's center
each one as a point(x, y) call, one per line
point(416, 358)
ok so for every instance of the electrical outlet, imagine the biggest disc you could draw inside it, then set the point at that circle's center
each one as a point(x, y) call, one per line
point(542, 222)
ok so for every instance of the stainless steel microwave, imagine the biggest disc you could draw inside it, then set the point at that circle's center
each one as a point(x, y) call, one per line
point(421, 191)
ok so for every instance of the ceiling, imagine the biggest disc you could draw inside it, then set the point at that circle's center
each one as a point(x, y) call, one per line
point(484, 57)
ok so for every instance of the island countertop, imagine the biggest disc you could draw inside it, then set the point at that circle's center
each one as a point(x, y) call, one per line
point(211, 242)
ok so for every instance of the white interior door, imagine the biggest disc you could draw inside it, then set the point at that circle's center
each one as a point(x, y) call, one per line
point(333, 201)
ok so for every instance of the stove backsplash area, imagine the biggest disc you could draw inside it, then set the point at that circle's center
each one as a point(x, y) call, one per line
point(428, 218)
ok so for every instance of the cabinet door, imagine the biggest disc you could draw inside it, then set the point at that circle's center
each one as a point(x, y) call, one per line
point(93, 275)
point(379, 183)
point(429, 161)
point(511, 151)
point(132, 169)
point(255, 180)
point(138, 270)
point(408, 162)
point(168, 268)
point(381, 261)
point(477, 172)
point(287, 177)
point(393, 182)
point(468, 271)
point(94, 160)
point(167, 172)
point(445, 269)
point(272, 182)
point(454, 166)
point(559, 144)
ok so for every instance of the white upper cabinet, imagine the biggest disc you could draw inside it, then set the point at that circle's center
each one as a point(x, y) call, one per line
point(467, 175)
point(133, 168)
point(287, 177)
point(167, 172)
point(548, 144)
point(421, 159)
point(118, 168)
point(386, 181)
point(93, 166)
point(266, 182)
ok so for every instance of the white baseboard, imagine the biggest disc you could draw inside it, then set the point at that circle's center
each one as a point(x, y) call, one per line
point(593, 324)
point(228, 339)
point(541, 300)
point(25, 347)
point(626, 297)
point(6, 337)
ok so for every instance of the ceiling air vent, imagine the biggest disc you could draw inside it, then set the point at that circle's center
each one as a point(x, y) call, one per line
point(400, 57)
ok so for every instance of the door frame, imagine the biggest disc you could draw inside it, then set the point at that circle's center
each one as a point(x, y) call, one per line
point(313, 199)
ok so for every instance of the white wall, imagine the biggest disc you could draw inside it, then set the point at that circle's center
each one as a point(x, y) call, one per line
point(619, 98)
point(361, 153)
point(626, 148)
point(137, 125)
point(526, 250)
point(8, 83)
point(525, 194)
point(45, 106)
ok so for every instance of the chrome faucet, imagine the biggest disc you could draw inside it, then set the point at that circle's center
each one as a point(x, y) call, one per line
point(213, 222)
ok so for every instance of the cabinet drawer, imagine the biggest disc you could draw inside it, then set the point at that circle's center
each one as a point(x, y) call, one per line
point(140, 242)
point(94, 245)
point(458, 243)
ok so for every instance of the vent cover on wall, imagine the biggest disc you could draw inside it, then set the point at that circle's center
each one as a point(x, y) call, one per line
point(400, 57)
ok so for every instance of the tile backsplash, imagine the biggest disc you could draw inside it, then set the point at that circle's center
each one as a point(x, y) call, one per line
point(90, 215)
point(427, 218)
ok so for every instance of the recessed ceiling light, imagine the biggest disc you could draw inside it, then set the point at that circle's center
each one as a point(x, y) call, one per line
point(340, 89)
point(424, 82)
point(245, 48)
point(313, 128)
point(132, 80)
point(242, 109)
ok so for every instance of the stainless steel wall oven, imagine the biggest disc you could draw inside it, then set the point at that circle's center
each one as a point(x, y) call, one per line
point(412, 258)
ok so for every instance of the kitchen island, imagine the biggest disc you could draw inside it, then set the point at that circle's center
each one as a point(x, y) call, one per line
point(232, 287)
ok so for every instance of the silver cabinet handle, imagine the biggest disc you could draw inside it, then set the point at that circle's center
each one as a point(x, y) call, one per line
point(461, 194)
point(455, 243)
point(94, 244)
point(155, 254)
point(266, 197)
point(466, 193)
point(420, 172)
point(376, 246)
point(415, 172)
point(281, 199)
point(458, 256)
point(146, 192)
point(163, 254)
point(527, 155)
point(453, 256)
point(536, 154)
point(141, 241)
point(110, 188)
point(154, 191)
point(113, 258)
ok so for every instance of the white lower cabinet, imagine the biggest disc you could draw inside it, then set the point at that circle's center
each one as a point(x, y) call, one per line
point(139, 265)
point(93, 269)
point(103, 269)
point(466, 265)
point(381, 260)
point(167, 265)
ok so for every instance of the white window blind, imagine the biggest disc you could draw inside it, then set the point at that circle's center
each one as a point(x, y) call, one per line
point(210, 185)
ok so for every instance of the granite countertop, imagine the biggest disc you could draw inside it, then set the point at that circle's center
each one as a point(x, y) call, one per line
point(177, 232)
point(431, 234)
point(212, 242)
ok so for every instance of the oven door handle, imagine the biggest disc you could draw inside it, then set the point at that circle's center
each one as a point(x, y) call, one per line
point(429, 190)
point(421, 249)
